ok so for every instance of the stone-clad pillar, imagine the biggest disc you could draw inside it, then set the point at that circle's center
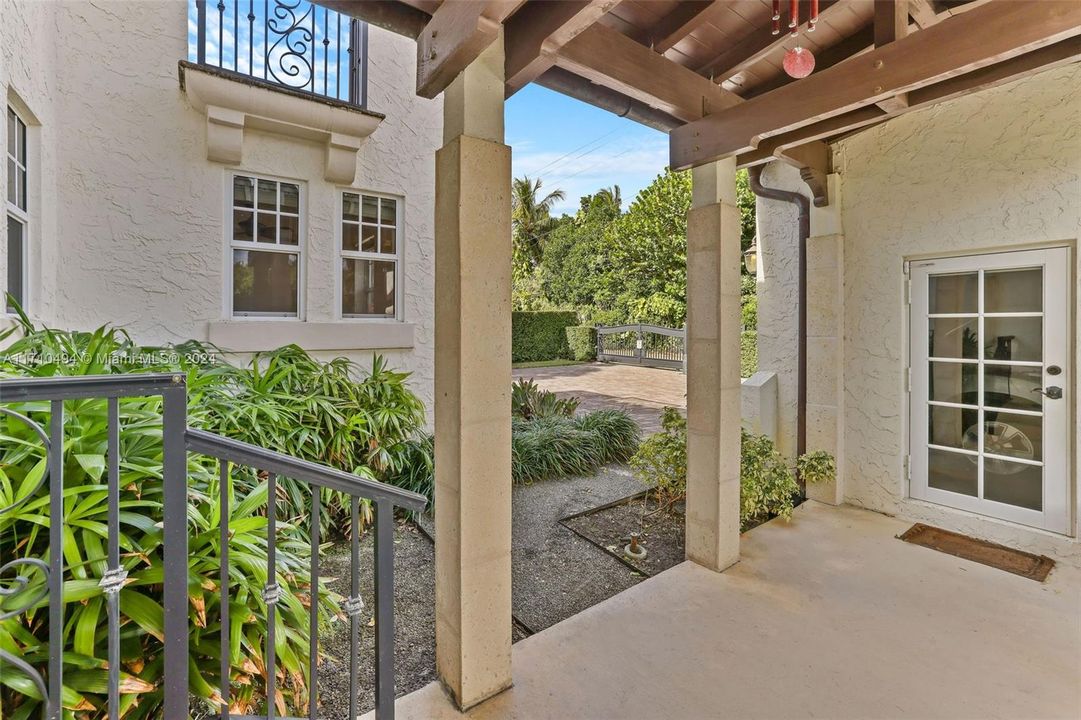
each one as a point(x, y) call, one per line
point(472, 387)
point(713, 382)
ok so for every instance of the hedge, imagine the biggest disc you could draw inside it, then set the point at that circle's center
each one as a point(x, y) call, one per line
point(748, 353)
point(582, 342)
point(541, 335)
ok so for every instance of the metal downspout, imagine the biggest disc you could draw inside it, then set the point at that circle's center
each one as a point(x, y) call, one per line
point(804, 206)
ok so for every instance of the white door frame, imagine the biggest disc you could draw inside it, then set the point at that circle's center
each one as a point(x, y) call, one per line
point(1055, 262)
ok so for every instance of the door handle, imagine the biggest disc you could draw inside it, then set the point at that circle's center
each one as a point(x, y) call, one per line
point(1052, 392)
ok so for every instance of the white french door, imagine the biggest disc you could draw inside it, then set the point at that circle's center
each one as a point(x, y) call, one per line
point(990, 389)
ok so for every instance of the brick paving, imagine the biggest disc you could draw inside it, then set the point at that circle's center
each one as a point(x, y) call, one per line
point(639, 391)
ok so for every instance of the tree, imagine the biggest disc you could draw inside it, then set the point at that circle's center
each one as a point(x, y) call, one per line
point(531, 217)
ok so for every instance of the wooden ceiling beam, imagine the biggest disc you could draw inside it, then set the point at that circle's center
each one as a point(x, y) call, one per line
point(608, 57)
point(923, 13)
point(987, 35)
point(751, 48)
point(678, 24)
point(854, 44)
point(1060, 53)
point(891, 21)
point(534, 34)
point(457, 33)
point(397, 17)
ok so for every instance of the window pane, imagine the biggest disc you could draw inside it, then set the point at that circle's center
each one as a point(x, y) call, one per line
point(952, 471)
point(12, 132)
point(13, 183)
point(1013, 290)
point(21, 149)
point(367, 238)
point(370, 207)
point(290, 198)
point(1013, 435)
point(22, 190)
point(350, 237)
point(268, 195)
point(290, 230)
point(387, 240)
point(265, 282)
point(367, 287)
point(953, 293)
point(1013, 483)
point(243, 225)
point(1010, 387)
point(953, 382)
point(388, 213)
point(953, 338)
point(350, 206)
point(953, 427)
point(242, 191)
point(16, 262)
point(1013, 338)
point(267, 228)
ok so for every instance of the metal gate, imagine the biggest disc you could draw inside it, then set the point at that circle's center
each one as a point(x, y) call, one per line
point(641, 344)
point(33, 583)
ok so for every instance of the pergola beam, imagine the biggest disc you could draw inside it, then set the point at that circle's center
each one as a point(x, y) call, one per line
point(455, 36)
point(392, 15)
point(678, 24)
point(610, 58)
point(1060, 53)
point(749, 49)
point(536, 33)
point(989, 34)
point(891, 21)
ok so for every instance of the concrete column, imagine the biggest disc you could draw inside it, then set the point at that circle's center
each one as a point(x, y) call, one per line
point(472, 387)
point(713, 383)
point(825, 340)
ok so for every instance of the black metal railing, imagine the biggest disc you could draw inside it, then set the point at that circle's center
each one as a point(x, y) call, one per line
point(291, 43)
point(177, 441)
point(642, 344)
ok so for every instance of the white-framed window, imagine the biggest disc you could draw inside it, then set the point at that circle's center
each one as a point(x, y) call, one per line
point(18, 215)
point(266, 248)
point(371, 249)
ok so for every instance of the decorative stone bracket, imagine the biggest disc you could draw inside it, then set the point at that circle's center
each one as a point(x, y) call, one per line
point(234, 102)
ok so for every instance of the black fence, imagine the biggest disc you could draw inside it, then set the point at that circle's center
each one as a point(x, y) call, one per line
point(30, 585)
point(291, 43)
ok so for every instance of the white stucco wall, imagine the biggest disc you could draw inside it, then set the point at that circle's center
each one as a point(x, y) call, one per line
point(139, 238)
point(1000, 169)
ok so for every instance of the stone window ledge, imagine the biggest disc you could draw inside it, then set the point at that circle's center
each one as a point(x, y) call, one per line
point(234, 102)
point(258, 335)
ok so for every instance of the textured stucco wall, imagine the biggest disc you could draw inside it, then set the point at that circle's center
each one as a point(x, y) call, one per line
point(998, 169)
point(140, 211)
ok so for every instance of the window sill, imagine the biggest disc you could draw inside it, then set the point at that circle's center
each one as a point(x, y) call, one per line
point(258, 334)
point(232, 103)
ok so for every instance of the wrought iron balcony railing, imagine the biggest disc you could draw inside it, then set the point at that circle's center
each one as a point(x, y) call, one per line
point(294, 44)
point(33, 585)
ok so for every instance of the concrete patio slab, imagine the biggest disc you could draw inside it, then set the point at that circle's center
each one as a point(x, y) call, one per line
point(828, 616)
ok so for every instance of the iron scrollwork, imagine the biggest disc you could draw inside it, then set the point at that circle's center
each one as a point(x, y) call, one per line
point(288, 55)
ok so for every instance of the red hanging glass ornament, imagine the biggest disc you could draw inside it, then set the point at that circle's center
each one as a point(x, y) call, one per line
point(799, 62)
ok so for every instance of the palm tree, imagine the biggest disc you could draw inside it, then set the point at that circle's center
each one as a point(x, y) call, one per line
point(531, 216)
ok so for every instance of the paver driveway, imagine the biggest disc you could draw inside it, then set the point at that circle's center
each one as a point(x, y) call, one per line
point(639, 391)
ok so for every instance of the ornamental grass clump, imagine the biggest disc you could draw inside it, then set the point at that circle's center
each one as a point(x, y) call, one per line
point(554, 447)
point(284, 400)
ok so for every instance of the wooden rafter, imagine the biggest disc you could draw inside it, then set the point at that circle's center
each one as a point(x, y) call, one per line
point(457, 33)
point(989, 34)
point(922, 13)
point(534, 34)
point(749, 49)
point(854, 44)
point(1060, 53)
point(678, 24)
point(610, 58)
point(891, 21)
point(398, 17)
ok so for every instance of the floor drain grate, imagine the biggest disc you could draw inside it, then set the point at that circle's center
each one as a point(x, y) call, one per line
point(1034, 567)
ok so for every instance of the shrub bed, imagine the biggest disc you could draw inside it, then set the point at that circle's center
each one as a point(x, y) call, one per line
point(541, 335)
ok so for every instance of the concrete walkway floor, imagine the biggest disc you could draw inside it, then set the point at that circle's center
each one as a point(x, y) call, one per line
point(828, 616)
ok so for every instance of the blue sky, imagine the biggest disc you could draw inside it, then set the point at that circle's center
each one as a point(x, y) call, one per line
point(578, 148)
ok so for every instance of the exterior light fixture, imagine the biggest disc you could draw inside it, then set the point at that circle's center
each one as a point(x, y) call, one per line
point(750, 258)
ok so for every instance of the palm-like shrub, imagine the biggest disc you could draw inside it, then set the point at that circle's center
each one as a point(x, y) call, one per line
point(283, 400)
point(528, 402)
point(557, 446)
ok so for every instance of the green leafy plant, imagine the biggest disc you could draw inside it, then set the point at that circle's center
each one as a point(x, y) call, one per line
point(816, 467)
point(529, 401)
point(767, 486)
point(284, 400)
point(416, 470)
point(555, 446)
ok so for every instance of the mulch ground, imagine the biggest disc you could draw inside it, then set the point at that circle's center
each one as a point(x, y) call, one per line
point(660, 532)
